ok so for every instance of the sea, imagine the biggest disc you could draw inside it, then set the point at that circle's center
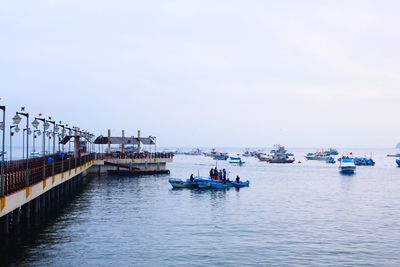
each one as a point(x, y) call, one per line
point(300, 214)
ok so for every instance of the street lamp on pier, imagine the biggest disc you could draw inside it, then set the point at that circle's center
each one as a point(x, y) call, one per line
point(17, 119)
point(35, 134)
point(16, 130)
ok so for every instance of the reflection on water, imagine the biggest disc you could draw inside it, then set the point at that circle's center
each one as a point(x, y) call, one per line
point(300, 214)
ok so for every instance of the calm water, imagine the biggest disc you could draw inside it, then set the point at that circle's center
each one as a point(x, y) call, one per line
point(300, 214)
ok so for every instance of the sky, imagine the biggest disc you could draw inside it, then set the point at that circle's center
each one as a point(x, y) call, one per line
point(221, 73)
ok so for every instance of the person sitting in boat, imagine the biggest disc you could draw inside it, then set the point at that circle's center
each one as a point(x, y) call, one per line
point(237, 179)
point(191, 178)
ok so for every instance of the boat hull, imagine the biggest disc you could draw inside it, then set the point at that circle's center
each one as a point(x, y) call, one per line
point(347, 170)
point(241, 184)
point(178, 183)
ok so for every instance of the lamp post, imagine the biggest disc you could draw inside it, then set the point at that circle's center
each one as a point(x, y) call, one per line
point(38, 132)
point(16, 130)
point(69, 134)
point(3, 128)
point(17, 120)
point(61, 135)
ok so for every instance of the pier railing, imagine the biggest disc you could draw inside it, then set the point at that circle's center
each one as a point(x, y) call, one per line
point(16, 172)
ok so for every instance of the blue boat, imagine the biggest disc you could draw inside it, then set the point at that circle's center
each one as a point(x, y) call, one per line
point(398, 162)
point(179, 183)
point(364, 162)
point(241, 184)
point(330, 160)
point(347, 165)
point(221, 157)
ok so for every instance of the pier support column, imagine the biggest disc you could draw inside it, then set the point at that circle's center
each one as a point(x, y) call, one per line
point(4, 224)
point(26, 211)
point(16, 220)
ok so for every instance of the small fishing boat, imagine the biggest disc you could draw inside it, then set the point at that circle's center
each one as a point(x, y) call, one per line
point(330, 160)
point(241, 184)
point(347, 165)
point(393, 155)
point(364, 162)
point(179, 183)
point(221, 157)
point(398, 162)
point(236, 160)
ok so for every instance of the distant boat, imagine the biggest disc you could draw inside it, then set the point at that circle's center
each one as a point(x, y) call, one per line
point(330, 160)
point(347, 165)
point(214, 153)
point(278, 155)
point(194, 152)
point(394, 155)
point(221, 157)
point(236, 160)
point(364, 162)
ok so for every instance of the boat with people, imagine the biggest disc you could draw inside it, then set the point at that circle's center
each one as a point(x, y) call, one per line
point(347, 165)
point(236, 160)
point(241, 184)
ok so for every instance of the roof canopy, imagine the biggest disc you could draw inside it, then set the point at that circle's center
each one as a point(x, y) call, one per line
point(124, 140)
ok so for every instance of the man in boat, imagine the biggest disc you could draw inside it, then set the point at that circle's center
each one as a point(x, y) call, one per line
point(220, 175)
point(237, 179)
point(191, 178)
point(212, 173)
point(215, 173)
point(224, 173)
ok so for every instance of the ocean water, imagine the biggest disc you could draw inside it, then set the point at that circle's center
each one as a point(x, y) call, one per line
point(292, 215)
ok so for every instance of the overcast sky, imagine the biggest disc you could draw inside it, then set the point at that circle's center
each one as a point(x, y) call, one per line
point(208, 73)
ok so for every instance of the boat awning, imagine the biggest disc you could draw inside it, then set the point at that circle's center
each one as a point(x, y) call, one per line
point(103, 140)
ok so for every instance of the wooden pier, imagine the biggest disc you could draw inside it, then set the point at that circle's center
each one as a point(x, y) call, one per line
point(39, 189)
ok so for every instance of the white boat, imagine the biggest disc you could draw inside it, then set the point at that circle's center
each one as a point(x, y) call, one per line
point(347, 165)
point(236, 160)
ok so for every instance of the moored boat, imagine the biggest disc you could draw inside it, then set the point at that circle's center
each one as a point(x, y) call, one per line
point(278, 155)
point(221, 157)
point(236, 160)
point(330, 160)
point(364, 162)
point(347, 165)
